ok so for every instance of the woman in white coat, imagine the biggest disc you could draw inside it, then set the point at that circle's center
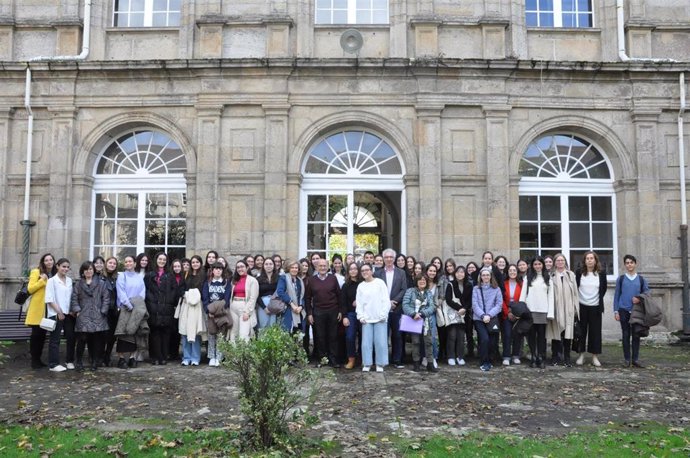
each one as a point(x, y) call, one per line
point(538, 295)
point(372, 307)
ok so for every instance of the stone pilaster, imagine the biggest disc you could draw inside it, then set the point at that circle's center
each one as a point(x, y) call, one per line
point(645, 123)
point(428, 140)
point(275, 179)
point(5, 121)
point(60, 180)
point(278, 37)
point(398, 29)
point(203, 225)
point(497, 178)
point(6, 38)
point(425, 37)
point(211, 37)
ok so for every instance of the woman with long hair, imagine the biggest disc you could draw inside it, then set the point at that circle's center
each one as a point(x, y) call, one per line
point(418, 303)
point(538, 295)
point(268, 283)
point(192, 324)
point(38, 279)
point(98, 266)
point(487, 301)
point(511, 295)
point(348, 296)
point(566, 308)
point(130, 286)
point(211, 258)
point(245, 292)
point(57, 298)
point(90, 303)
point(470, 269)
point(290, 290)
point(459, 299)
point(591, 288)
point(143, 264)
point(110, 280)
point(372, 305)
point(216, 288)
point(337, 268)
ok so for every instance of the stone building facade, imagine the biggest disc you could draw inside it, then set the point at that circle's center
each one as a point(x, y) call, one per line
point(245, 127)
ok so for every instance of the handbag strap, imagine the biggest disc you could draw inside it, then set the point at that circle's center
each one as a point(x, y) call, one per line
point(481, 291)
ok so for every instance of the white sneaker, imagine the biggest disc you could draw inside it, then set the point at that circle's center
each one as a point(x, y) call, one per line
point(451, 362)
point(506, 361)
point(424, 361)
point(185, 363)
point(70, 366)
point(366, 368)
point(580, 359)
point(194, 364)
point(516, 360)
point(461, 362)
point(58, 368)
point(379, 368)
point(595, 361)
point(435, 363)
point(212, 362)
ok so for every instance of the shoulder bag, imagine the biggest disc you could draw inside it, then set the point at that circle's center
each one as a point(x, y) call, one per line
point(275, 305)
point(23, 294)
point(492, 326)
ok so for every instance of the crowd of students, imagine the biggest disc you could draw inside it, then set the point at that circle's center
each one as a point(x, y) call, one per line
point(166, 308)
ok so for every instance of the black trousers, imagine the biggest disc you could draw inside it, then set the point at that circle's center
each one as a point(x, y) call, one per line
point(94, 340)
point(469, 333)
point(109, 337)
point(326, 334)
point(36, 343)
point(590, 324)
point(159, 341)
point(537, 340)
point(54, 343)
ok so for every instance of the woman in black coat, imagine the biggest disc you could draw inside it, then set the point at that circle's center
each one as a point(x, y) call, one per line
point(163, 291)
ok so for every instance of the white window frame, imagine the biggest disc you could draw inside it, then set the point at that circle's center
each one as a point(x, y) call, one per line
point(557, 15)
point(148, 15)
point(351, 14)
point(573, 187)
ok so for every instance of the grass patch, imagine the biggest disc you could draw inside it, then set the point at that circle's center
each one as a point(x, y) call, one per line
point(614, 441)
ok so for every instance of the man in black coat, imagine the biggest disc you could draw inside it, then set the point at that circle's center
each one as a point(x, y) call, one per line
point(396, 281)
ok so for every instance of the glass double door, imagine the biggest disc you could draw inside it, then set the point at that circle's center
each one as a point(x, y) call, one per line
point(351, 222)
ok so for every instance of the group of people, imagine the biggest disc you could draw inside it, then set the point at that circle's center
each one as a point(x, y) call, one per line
point(351, 307)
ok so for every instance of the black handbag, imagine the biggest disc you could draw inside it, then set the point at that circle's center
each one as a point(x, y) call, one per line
point(492, 326)
point(23, 294)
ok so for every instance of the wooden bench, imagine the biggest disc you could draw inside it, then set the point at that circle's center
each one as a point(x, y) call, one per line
point(12, 328)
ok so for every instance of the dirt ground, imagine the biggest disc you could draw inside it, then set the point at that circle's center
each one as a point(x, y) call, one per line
point(354, 406)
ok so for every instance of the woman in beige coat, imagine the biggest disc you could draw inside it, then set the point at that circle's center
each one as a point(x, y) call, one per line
point(245, 292)
point(566, 305)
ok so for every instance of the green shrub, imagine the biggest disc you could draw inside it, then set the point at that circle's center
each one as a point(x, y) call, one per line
point(273, 382)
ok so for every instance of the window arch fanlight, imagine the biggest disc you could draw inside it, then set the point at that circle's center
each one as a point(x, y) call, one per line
point(353, 153)
point(567, 201)
point(140, 196)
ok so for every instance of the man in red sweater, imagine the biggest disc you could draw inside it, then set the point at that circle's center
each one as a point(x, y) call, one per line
point(322, 300)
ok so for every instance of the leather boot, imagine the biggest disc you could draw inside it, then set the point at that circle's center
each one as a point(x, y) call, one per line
point(431, 368)
point(350, 363)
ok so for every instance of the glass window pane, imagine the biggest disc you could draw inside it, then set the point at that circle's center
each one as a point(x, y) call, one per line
point(380, 4)
point(137, 5)
point(105, 205)
point(155, 233)
point(528, 255)
point(531, 21)
point(104, 232)
point(579, 235)
point(578, 207)
point(531, 5)
point(119, 20)
point(136, 20)
point(174, 5)
point(546, 20)
point(323, 4)
point(127, 205)
point(176, 253)
point(316, 236)
point(336, 204)
point(602, 235)
point(322, 17)
point(550, 208)
point(177, 207)
point(569, 20)
point(585, 20)
point(575, 261)
point(340, 4)
point(601, 209)
point(606, 260)
point(339, 17)
point(316, 208)
point(363, 17)
point(529, 237)
point(546, 5)
point(568, 5)
point(550, 235)
point(528, 208)
point(160, 19)
point(363, 4)
point(174, 21)
point(380, 17)
point(122, 5)
point(126, 233)
point(156, 205)
point(123, 251)
point(177, 233)
point(160, 5)
point(584, 5)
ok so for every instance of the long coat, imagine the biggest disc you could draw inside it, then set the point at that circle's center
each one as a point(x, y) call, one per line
point(91, 303)
point(161, 299)
point(566, 305)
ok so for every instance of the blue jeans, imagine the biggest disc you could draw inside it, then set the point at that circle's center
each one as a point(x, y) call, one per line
point(264, 319)
point(351, 335)
point(191, 350)
point(628, 336)
point(375, 338)
point(396, 335)
point(485, 341)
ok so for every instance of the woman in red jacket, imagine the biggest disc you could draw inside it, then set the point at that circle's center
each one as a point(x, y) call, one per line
point(511, 293)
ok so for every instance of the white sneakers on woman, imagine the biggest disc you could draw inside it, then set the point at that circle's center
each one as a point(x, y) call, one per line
point(366, 368)
point(451, 361)
point(580, 360)
point(595, 361)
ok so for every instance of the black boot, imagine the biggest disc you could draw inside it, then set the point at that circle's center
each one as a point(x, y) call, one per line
point(417, 366)
point(79, 366)
point(541, 362)
point(121, 363)
point(430, 368)
point(532, 362)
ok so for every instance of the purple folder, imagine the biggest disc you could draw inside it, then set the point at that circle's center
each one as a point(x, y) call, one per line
point(409, 324)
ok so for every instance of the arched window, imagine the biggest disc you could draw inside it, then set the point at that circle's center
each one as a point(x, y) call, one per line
point(567, 203)
point(140, 200)
point(352, 194)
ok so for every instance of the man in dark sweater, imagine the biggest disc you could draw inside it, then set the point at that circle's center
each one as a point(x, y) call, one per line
point(322, 300)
